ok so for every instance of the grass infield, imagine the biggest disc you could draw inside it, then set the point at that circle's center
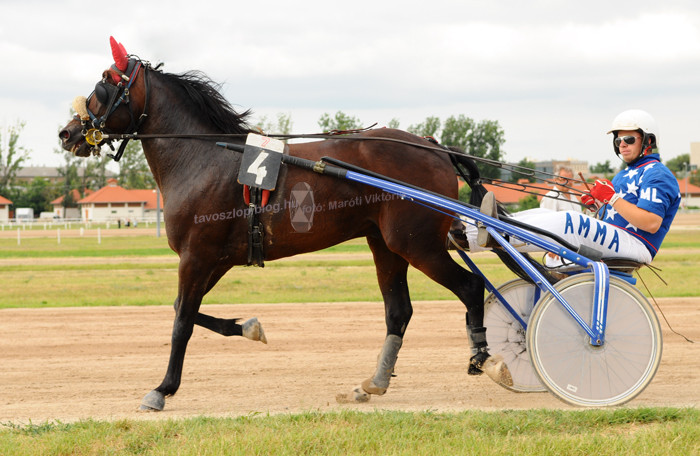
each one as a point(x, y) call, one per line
point(640, 431)
point(142, 270)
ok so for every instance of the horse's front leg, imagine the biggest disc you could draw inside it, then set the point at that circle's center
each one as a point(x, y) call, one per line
point(250, 329)
point(190, 293)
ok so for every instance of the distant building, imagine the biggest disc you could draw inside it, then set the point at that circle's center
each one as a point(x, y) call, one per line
point(695, 154)
point(112, 203)
point(550, 167)
point(690, 194)
point(4, 210)
point(68, 212)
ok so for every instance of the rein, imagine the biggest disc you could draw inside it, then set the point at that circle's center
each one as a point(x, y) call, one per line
point(532, 189)
point(347, 135)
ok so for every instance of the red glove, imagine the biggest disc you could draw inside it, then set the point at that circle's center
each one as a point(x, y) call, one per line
point(603, 190)
point(588, 200)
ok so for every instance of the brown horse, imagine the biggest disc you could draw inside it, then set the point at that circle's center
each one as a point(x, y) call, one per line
point(203, 203)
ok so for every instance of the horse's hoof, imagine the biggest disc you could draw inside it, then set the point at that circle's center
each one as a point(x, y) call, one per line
point(360, 395)
point(252, 329)
point(357, 396)
point(473, 370)
point(153, 402)
point(476, 363)
point(368, 386)
point(496, 368)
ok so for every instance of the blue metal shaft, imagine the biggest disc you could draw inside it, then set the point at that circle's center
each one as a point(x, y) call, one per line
point(496, 227)
point(489, 286)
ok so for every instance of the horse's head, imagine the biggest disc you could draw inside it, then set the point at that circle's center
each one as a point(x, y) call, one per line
point(116, 106)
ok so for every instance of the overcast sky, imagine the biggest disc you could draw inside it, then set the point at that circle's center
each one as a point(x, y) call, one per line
point(553, 73)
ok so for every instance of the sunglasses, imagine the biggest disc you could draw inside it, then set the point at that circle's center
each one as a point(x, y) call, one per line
point(627, 139)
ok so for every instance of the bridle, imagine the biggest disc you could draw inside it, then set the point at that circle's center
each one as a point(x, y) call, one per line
point(112, 96)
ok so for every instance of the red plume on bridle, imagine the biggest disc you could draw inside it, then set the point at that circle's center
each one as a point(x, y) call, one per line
point(121, 59)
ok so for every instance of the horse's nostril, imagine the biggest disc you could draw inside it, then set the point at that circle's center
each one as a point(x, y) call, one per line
point(64, 135)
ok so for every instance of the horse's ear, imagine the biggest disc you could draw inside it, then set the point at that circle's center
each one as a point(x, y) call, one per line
point(119, 53)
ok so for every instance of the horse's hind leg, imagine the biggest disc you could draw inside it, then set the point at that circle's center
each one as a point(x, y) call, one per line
point(469, 288)
point(391, 274)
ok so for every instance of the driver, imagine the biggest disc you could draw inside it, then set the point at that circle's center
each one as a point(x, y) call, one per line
point(635, 209)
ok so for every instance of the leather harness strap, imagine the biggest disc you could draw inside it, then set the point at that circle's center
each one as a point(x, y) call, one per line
point(256, 254)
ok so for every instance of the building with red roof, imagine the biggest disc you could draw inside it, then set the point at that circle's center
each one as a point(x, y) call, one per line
point(690, 194)
point(4, 209)
point(68, 212)
point(112, 203)
point(510, 193)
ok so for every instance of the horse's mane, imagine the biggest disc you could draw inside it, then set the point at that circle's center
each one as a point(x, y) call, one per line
point(206, 101)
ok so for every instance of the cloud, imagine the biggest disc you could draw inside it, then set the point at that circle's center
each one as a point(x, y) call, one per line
point(551, 73)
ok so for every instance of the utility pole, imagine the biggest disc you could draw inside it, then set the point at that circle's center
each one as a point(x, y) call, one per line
point(688, 168)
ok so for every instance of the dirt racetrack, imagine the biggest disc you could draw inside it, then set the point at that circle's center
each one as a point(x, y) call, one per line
point(76, 363)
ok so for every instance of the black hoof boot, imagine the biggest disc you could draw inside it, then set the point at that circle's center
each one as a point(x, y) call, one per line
point(476, 362)
point(493, 366)
point(480, 353)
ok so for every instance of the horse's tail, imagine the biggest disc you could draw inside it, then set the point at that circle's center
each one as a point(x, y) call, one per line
point(467, 169)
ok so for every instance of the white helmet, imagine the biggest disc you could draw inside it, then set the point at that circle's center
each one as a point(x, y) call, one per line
point(636, 119)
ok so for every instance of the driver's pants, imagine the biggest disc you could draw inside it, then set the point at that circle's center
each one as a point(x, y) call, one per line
point(577, 229)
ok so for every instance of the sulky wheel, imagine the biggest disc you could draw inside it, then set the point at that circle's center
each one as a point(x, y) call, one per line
point(583, 374)
point(506, 335)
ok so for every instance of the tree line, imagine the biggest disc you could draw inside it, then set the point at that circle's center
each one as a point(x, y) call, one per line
point(483, 139)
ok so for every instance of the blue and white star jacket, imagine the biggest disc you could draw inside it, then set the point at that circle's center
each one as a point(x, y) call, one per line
point(650, 185)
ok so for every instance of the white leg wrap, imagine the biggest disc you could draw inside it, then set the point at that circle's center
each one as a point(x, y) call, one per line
point(385, 366)
point(252, 329)
point(477, 338)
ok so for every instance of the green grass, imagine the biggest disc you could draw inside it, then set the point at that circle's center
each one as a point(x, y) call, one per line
point(134, 281)
point(647, 431)
point(87, 246)
point(151, 284)
point(685, 239)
